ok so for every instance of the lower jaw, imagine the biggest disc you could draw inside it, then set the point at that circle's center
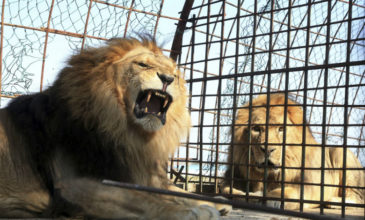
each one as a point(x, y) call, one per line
point(149, 124)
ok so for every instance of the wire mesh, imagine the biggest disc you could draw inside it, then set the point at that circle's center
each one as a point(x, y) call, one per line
point(234, 51)
point(38, 36)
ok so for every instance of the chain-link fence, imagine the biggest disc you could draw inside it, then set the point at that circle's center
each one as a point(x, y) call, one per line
point(38, 36)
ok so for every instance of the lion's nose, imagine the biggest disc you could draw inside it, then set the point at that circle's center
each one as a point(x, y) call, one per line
point(165, 78)
point(269, 150)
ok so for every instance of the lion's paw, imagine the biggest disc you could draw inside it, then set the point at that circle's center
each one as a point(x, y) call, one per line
point(287, 205)
point(273, 204)
point(224, 209)
point(205, 212)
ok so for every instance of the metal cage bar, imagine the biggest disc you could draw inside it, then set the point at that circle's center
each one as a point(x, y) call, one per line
point(285, 38)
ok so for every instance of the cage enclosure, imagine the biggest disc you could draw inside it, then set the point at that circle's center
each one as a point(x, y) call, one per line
point(232, 53)
point(310, 53)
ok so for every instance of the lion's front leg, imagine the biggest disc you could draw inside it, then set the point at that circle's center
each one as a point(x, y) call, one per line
point(290, 193)
point(222, 208)
point(100, 201)
point(227, 190)
point(243, 196)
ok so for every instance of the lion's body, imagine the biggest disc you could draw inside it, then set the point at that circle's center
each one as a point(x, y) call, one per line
point(293, 156)
point(56, 146)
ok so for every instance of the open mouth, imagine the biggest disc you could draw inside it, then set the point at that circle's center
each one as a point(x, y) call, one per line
point(152, 102)
point(270, 165)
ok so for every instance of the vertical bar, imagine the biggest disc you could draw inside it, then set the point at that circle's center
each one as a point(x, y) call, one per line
point(255, 26)
point(305, 84)
point(268, 95)
point(323, 153)
point(261, 15)
point(234, 110)
point(45, 46)
point(287, 65)
point(333, 37)
point(190, 90)
point(1, 47)
point(158, 18)
point(219, 95)
point(204, 89)
point(361, 135)
point(216, 117)
point(176, 44)
point(348, 57)
point(171, 167)
point(86, 24)
point(128, 18)
point(216, 106)
point(176, 53)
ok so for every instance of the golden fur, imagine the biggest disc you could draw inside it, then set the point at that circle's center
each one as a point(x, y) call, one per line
point(293, 157)
point(58, 145)
point(115, 83)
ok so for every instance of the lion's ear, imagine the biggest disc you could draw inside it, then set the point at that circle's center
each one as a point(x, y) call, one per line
point(295, 112)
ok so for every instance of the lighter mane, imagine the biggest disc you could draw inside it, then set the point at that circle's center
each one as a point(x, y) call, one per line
point(109, 103)
point(293, 154)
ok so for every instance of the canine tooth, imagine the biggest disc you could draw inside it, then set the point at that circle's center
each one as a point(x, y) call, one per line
point(149, 96)
point(146, 110)
point(159, 113)
point(160, 95)
point(165, 103)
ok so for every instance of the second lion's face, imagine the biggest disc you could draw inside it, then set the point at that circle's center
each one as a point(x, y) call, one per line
point(267, 140)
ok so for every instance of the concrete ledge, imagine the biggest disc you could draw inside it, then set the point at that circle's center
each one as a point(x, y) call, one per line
point(238, 214)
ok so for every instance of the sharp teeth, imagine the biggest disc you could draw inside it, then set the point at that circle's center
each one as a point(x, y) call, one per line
point(149, 96)
point(159, 113)
point(146, 110)
point(160, 95)
point(165, 103)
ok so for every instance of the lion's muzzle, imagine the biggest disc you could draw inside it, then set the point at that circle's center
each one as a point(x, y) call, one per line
point(270, 165)
point(152, 102)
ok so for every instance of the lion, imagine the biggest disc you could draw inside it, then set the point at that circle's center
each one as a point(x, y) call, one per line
point(116, 112)
point(271, 153)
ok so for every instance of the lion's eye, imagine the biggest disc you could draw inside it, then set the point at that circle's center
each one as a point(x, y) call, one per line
point(256, 128)
point(281, 129)
point(142, 65)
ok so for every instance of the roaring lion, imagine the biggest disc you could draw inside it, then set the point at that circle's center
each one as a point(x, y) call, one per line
point(116, 112)
point(272, 154)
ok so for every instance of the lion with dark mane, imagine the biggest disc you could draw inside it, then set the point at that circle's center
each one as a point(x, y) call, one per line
point(270, 156)
point(116, 112)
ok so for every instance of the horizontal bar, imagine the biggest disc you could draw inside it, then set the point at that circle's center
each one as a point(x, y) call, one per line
point(237, 204)
point(293, 69)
